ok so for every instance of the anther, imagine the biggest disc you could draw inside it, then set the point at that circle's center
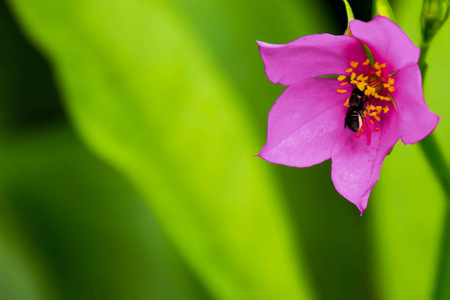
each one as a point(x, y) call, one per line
point(346, 102)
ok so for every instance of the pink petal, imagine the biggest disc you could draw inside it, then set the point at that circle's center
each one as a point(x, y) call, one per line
point(417, 119)
point(356, 166)
point(305, 124)
point(309, 56)
point(388, 43)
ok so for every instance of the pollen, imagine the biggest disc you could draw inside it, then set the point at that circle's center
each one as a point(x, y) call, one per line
point(366, 63)
point(341, 77)
point(346, 102)
point(379, 66)
point(378, 108)
point(375, 115)
point(341, 91)
point(369, 91)
point(349, 70)
point(343, 83)
point(354, 64)
point(361, 85)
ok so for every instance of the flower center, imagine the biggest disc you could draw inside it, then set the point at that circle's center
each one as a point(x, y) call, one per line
point(370, 97)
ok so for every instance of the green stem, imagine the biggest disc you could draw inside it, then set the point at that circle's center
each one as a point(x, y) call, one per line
point(422, 64)
point(442, 287)
point(436, 159)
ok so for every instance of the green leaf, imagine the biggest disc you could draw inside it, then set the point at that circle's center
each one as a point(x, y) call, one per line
point(22, 271)
point(92, 236)
point(147, 94)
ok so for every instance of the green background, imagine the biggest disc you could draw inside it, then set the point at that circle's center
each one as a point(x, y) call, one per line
point(128, 129)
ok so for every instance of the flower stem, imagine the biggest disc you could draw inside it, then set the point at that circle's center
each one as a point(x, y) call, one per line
point(436, 159)
point(442, 288)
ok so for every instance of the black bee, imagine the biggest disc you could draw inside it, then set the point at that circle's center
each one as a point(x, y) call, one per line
point(355, 114)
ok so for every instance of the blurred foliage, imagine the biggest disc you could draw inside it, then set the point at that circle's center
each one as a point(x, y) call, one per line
point(70, 226)
point(93, 236)
point(171, 101)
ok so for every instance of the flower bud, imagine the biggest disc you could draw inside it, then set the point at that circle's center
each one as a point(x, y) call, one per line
point(383, 8)
point(434, 15)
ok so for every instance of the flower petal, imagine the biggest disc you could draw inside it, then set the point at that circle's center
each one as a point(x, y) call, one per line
point(417, 119)
point(388, 43)
point(305, 124)
point(309, 56)
point(355, 166)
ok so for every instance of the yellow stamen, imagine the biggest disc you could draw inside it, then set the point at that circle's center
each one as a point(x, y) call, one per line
point(379, 108)
point(349, 70)
point(377, 65)
point(391, 89)
point(341, 91)
point(353, 76)
point(385, 109)
point(354, 64)
point(366, 62)
point(343, 83)
point(374, 114)
point(360, 77)
point(391, 80)
point(369, 91)
point(361, 85)
point(341, 77)
point(346, 102)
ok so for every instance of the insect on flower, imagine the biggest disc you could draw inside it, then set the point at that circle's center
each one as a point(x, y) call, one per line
point(342, 104)
point(355, 116)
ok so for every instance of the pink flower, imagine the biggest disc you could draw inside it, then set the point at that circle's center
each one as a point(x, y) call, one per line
point(351, 119)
